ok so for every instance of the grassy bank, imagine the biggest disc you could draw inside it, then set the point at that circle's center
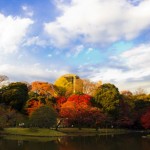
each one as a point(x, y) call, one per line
point(91, 131)
point(38, 132)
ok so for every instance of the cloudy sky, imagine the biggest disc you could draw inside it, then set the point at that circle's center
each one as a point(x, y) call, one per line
point(106, 40)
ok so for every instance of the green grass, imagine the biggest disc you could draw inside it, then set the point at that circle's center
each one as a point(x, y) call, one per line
point(37, 132)
point(91, 131)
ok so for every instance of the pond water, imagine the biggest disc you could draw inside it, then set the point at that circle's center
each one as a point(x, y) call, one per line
point(105, 142)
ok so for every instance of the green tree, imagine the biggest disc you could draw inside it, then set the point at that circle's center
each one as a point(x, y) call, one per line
point(107, 97)
point(43, 117)
point(15, 95)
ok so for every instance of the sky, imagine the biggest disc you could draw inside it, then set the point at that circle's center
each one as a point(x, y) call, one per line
point(100, 40)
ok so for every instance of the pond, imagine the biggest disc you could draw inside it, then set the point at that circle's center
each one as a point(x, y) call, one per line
point(105, 142)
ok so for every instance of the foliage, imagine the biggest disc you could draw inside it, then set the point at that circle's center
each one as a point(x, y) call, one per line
point(126, 114)
point(15, 95)
point(59, 102)
point(43, 89)
point(145, 119)
point(90, 87)
point(81, 116)
point(32, 105)
point(77, 111)
point(43, 117)
point(9, 117)
point(69, 84)
point(107, 97)
point(80, 99)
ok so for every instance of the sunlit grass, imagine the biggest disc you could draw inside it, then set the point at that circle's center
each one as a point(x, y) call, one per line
point(38, 132)
point(32, 132)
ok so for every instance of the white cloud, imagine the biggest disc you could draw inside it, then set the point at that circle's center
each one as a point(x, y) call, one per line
point(13, 30)
point(78, 50)
point(27, 11)
point(50, 55)
point(98, 21)
point(136, 73)
point(35, 40)
point(138, 57)
point(24, 8)
point(31, 72)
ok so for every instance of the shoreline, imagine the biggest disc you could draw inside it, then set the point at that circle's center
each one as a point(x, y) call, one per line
point(62, 132)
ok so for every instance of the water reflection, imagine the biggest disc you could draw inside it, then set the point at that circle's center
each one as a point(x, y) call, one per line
point(111, 142)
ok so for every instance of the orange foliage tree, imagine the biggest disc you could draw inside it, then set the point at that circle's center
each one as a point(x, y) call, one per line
point(32, 105)
point(59, 102)
point(43, 88)
point(77, 111)
point(80, 98)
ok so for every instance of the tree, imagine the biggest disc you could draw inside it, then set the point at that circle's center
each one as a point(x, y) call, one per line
point(77, 111)
point(9, 117)
point(69, 84)
point(88, 86)
point(107, 97)
point(15, 95)
point(126, 114)
point(32, 105)
point(59, 102)
point(43, 89)
point(145, 119)
point(43, 117)
point(142, 103)
point(81, 115)
point(80, 99)
point(4, 80)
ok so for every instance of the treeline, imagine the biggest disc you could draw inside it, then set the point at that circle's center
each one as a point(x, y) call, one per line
point(72, 102)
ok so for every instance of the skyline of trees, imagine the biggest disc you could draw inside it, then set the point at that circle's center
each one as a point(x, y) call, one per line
point(78, 102)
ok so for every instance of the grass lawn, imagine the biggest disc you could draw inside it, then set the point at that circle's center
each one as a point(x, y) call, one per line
point(38, 132)
point(92, 131)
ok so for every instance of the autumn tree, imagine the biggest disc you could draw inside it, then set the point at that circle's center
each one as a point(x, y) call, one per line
point(32, 105)
point(81, 115)
point(43, 88)
point(80, 99)
point(59, 102)
point(43, 91)
point(69, 84)
point(79, 112)
point(145, 119)
point(88, 86)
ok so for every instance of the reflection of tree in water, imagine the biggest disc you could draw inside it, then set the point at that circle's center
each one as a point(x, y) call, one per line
point(20, 142)
point(105, 142)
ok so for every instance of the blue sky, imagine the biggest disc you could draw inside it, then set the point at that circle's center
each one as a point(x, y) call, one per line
point(95, 39)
